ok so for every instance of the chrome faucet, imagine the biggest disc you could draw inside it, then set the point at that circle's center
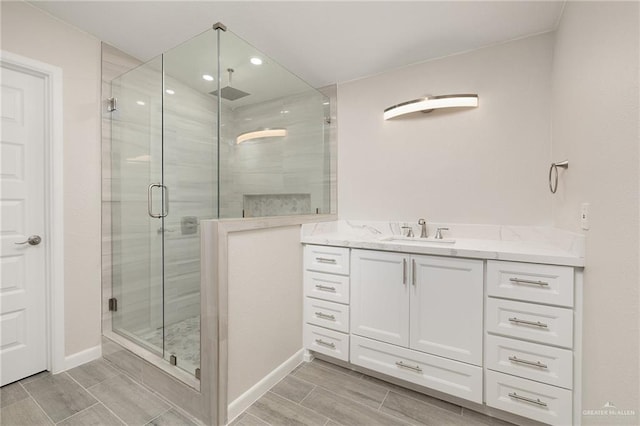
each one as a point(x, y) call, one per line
point(410, 230)
point(439, 233)
point(423, 233)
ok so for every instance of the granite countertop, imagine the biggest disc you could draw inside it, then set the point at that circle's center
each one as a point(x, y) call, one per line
point(513, 243)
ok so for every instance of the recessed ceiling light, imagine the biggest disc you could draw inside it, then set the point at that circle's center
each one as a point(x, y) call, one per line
point(140, 102)
point(170, 92)
point(325, 103)
point(256, 61)
point(207, 77)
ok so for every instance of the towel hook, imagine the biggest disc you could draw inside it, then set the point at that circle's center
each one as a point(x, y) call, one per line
point(553, 185)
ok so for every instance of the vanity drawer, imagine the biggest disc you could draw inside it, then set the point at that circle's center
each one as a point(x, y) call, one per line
point(538, 323)
point(533, 361)
point(334, 260)
point(444, 375)
point(326, 342)
point(550, 284)
point(326, 314)
point(544, 403)
point(326, 286)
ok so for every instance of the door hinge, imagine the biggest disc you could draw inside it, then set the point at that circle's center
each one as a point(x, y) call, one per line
point(112, 104)
point(113, 304)
point(173, 360)
point(198, 373)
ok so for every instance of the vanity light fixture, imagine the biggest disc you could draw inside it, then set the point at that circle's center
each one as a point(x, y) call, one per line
point(258, 134)
point(429, 103)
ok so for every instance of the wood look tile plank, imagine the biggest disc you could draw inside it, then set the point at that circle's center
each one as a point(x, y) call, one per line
point(346, 412)
point(96, 415)
point(251, 420)
point(11, 393)
point(36, 376)
point(127, 362)
point(59, 396)
point(131, 402)
point(171, 418)
point(275, 410)
point(293, 388)
point(92, 373)
point(456, 409)
point(24, 413)
point(418, 412)
point(474, 418)
point(343, 385)
point(335, 367)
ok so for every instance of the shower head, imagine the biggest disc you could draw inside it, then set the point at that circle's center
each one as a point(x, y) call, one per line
point(228, 92)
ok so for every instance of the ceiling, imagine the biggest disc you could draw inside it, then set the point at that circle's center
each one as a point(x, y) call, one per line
point(323, 42)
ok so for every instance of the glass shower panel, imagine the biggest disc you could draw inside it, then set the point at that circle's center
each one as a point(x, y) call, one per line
point(273, 151)
point(190, 174)
point(136, 157)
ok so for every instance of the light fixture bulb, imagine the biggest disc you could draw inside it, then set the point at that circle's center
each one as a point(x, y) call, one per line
point(256, 61)
point(140, 103)
point(207, 77)
point(170, 92)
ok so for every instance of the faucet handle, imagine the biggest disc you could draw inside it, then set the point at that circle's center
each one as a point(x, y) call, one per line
point(439, 233)
point(422, 222)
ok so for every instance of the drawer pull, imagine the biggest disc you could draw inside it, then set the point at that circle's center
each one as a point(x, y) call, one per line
point(529, 400)
point(326, 260)
point(413, 272)
point(325, 287)
point(524, 361)
point(525, 322)
point(325, 316)
point(532, 282)
point(409, 367)
point(327, 344)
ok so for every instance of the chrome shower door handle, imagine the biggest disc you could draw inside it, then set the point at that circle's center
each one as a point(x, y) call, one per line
point(165, 199)
point(150, 200)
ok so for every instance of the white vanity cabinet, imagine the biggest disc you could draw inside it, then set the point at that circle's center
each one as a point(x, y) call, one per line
point(529, 358)
point(419, 319)
point(326, 300)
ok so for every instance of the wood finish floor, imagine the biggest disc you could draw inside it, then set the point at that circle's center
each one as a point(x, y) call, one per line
point(324, 394)
point(316, 393)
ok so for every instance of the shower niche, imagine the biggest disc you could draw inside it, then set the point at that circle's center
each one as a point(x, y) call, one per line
point(212, 129)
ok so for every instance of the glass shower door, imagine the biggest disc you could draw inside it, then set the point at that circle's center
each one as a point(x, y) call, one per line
point(137, 206)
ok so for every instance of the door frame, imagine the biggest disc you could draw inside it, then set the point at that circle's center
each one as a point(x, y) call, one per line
point(54, 201)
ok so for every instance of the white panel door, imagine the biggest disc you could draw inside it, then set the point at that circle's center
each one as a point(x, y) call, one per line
point(380, 296)
point(446, 307)
point(23, 349)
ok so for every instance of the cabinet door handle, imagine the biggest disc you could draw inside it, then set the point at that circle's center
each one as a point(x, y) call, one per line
point(525, 322)
point(529, 400)
point(413, 272)
point(326, 260)
point(325, 287)
point(325, 316)
point(513, 358)
point(523, 281)
point(327, 344)
point(409, 367)
point(404, 271)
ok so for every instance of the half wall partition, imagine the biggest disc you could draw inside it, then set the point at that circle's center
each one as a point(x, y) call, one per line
point(211, 129)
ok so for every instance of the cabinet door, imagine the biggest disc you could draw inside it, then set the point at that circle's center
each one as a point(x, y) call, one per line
point(380, 296)
point(446, 307)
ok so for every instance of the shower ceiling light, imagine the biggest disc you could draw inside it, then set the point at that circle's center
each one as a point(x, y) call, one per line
point(170, 92)
point(256, 61)
point(140, 103)
point(207, 77)
point(258, 134)
point(429, 103)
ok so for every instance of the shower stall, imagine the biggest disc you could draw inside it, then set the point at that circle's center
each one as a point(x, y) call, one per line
point(212, 129)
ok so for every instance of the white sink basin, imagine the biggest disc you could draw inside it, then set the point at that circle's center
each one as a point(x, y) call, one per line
point(417, 240)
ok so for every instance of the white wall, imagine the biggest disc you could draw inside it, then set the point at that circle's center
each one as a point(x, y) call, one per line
point(485, 165)
point(265, 303)
point(29, 32)
point(595, 126)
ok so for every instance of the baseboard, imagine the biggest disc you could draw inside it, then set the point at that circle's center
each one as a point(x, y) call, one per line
point(245, 400)
point(82, 357)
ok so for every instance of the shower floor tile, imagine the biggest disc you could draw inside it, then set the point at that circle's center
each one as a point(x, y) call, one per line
point(181, 339)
